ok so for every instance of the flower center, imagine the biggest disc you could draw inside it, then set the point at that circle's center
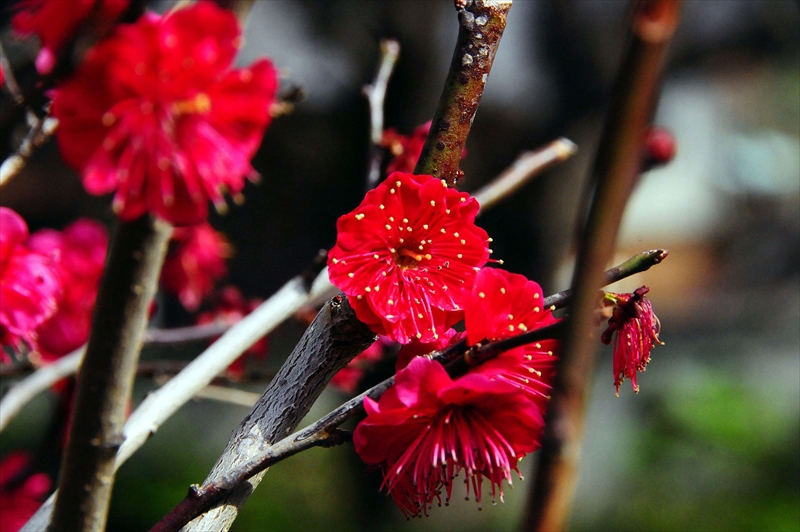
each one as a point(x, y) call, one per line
point(201, 103)
point(405, 258)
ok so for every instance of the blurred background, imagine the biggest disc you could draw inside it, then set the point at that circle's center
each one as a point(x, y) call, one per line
point(712, 441)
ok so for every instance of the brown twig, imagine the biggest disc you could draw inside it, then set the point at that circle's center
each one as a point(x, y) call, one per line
point(481, 24)
point(527, 166)
point(376, 94)
point(104, 384)
point(40, 129)
point(615, 173)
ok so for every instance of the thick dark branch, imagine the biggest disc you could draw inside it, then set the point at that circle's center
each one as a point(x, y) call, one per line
point(104, 385)
point(481, 25)
point(376, 94)
point(200, 498)
point(333, 339)
point(615, 173)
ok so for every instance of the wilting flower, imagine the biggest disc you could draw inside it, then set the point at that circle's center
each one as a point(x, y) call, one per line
point(635, 329)
point(29, 283)
point(504, 304)
point(56, 22)
point(406, 254)
point(427, 429)
point(82, 247)
point(230, 307)
point(20, 494)
point(156, 114)
point(196, 259)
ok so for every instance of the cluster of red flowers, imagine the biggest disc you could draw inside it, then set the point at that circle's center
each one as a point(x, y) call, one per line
point(155, 113)
point(410, 260)
point(49, 283)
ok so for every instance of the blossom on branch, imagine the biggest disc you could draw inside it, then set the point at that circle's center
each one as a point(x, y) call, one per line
point(30, 284)
point(82, 247)
point(634, 328)
point(502, 305)
point(56, 22)
point(195, 261)
point(405, 256)
point(428, 428)
point(156, 114)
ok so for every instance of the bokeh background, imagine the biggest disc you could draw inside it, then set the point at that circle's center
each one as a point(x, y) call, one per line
point(712, 442)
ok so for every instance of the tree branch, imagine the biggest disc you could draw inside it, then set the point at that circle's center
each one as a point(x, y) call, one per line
point(105, 382)
point(481, 24)
point(527, 166)
point(333, 339)
point(615, 173)
point(376, 94)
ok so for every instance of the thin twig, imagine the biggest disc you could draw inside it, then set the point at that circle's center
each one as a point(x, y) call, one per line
point(615, 173)
point(10, 78)
point(376, 94)
point(46, 376)
point(191, 333)
point(105, 382)
point(527, 166)
point(481, 24)
point(21, 393)
point(40, 130)
point(228, 395)
point(638, 263)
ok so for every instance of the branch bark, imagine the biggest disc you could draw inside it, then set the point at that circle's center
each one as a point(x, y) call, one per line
point(615, 173)
point(332, 340)
point(105, 382)
point(481, 24)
